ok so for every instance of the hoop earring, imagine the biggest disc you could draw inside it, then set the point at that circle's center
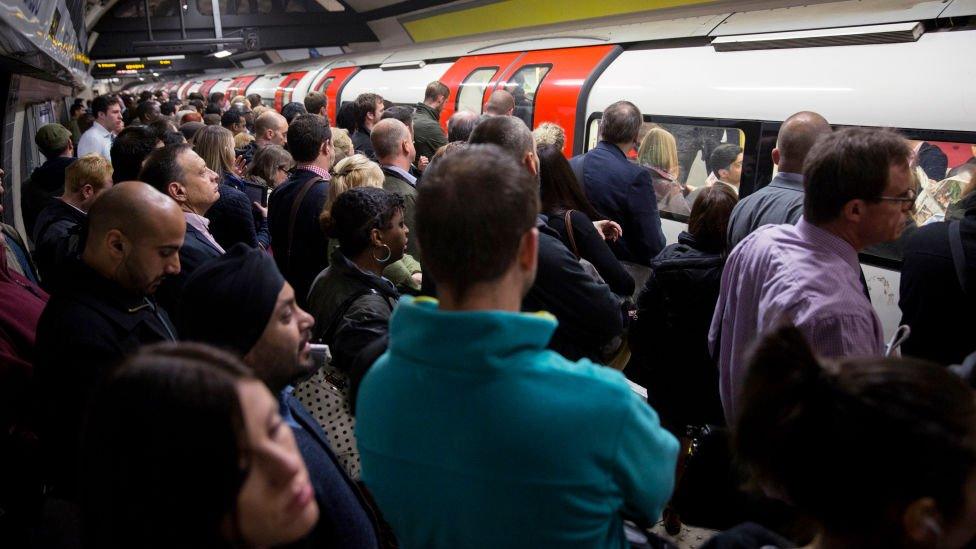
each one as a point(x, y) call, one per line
point(389, 253)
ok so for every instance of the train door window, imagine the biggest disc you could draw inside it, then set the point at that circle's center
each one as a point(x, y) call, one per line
point(689, 163)
point(325, 84)
point(523, 86)
point(472, 90)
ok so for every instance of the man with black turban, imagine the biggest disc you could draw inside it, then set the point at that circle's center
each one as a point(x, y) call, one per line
point(241, 303)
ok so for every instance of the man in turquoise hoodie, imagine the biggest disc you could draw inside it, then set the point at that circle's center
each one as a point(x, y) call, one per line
point(471, 432)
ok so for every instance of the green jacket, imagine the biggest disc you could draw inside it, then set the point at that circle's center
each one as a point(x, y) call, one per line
point(427, 133)
point(395, 183)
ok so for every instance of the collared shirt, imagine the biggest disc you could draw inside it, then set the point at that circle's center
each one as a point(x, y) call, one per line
point(321, 172)
point(406, 175)
point(97, 140)
point(202, 224)
point(779, 202)
point(803, 275)
point(284, 409)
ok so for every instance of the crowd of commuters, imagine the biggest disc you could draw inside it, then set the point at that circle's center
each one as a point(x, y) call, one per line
point(163, 332)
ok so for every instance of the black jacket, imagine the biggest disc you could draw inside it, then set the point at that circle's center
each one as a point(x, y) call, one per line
point(56, 240)
point(669, 339)
point(89, 325)
point(933, 161)
point(45, 185)
point(310, 249)
point(362, 144)
point(589, 314)
point(591, 247)
point(931, 297)
point(196, 251)
point(232, 218)
point(352, 308)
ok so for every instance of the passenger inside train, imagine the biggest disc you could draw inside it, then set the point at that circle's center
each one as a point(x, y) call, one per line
point(520, 295)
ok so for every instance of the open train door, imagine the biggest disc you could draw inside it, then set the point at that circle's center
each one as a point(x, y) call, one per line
point(552, 86)
point(330, 83)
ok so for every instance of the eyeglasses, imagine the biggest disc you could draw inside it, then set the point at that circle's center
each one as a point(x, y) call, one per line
point(908, 197)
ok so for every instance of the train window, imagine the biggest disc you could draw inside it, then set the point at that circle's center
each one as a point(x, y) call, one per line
point(944, 171)
point(523, 86)
point(472, 90)
point(693, 147)
point(325, 84)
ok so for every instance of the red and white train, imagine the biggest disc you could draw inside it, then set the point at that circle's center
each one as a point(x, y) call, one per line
point(891, 63)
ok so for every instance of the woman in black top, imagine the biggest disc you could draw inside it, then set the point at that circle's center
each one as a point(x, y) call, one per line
point(565, 205)
point(669, 339)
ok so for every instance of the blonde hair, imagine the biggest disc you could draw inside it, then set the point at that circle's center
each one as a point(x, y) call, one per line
point(91, 169)
point(242, 140)
point(350, 173)
point(659, 149)
point(342, 145)
point(242, 100)
point(259, 110)
point(550, 134)
point(215, 145)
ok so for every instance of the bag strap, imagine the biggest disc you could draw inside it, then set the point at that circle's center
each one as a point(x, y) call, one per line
point(958, 254)
point(294, 216)
point(568, 220)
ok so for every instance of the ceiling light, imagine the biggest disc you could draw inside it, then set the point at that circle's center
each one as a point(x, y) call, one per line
point(221, 54)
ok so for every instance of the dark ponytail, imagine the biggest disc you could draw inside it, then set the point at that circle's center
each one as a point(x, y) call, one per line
point(852, 443)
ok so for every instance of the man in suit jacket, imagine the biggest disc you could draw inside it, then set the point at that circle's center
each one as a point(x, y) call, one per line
point(271, 333)
point(179, 173)
point(620, 189)
point(300, 248)
point(395, 151)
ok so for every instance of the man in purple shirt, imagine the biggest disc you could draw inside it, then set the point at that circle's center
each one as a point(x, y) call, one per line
point(859, 190)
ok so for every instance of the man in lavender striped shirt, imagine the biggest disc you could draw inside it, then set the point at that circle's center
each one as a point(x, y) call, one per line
point(859, 190)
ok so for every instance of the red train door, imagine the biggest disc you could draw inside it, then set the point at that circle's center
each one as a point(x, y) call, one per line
point(239, 85)
point(206, 87)
point(331, 83)
point(284, 90)
point(551, 86)
point(469, 78)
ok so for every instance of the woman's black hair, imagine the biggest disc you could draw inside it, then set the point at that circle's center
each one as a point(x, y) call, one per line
point(559, 190)
point(355, 213)
point(853, 443)
point(165, 450)
point(346, 117)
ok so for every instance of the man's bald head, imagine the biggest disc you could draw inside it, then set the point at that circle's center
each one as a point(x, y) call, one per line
point(134, 236)
point(796, 137)
point(388, 137)
point(512, 135)
point(271, 127)
point(501, 102)
point(131, 207)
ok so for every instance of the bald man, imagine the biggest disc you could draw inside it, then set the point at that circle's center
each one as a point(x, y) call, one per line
point(269, 129)
point(781, 201)
point(103, 311)
point(460, 125)
point(501, 103)
point(394, 148)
